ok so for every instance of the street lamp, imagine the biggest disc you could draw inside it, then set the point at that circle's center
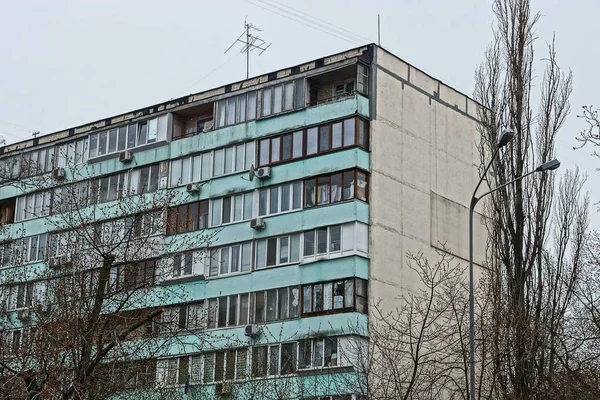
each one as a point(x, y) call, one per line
point(506, 137)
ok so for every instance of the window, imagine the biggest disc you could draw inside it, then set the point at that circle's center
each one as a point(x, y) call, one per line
point(337, 296)
point(362, 81)
point(134, 276)
point(274, 360)
point(134, 375)
point(276, 304)
point(230, 364)
point(187, 217)
point(323, 240)
point(282, 97)
point(58, 243)
point(336, 187)
point(277, 251)
point(28, 249)
point(67, 197)
point(174, 318)
point(217, 366)
point(167, 371)
point(109, 188)
point(236, 109)
point(14, 340)
point(19, 296)
point(231, 259)
point(5, 254)
point(37, 161)
point(318, 353)
point(211, 164)
point(344, 89)
point(314, 140)
point(33, 205)
point(148, 180)
point(188, 263)
point(118, 139)
point(259, 361)
point(278, 199)
point(144, 225)
point(231, 209)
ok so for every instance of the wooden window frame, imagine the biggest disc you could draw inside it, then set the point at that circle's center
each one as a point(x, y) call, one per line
point(270, 162)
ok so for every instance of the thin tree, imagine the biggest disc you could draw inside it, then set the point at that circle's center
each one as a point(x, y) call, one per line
point(534, 263)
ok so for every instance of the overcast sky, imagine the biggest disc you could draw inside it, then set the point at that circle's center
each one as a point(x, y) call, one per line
point(65, 63)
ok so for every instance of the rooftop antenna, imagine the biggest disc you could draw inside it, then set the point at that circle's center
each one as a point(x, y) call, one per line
point(251, 42)
point(378, 30)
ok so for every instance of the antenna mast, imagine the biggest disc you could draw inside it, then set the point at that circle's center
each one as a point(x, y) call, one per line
point(251, 42)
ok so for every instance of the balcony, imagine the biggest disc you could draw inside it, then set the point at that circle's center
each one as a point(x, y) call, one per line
point(337, 85)
point(193, 121)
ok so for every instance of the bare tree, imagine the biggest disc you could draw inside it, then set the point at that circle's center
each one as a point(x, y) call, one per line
point(418, 350)
point(591, 134)
point(535, 233)
point(88, 319)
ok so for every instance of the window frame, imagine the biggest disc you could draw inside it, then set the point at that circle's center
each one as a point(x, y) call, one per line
point(250, 114)
point(333, 309)
point(175, 226)
point(314, 183)
point(215, 259)
point(278, 140)
point(134, 128)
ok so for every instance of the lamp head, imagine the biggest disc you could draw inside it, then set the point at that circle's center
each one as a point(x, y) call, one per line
point(548, 166)
point(507, 136)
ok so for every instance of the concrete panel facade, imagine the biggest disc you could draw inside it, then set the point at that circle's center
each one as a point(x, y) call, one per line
point(424, 167)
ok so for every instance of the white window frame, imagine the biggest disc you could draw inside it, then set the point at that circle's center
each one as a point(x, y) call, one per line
point(151, 130)
point(232, 219)
point(279, 198)
point(249, 114)
point(22, 213)
point(197, 160)
point(214, 256)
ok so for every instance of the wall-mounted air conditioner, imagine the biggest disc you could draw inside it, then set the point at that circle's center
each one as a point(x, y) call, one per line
point(125, 156)
point(257, 223)
point(263, 173)
point(192, 188)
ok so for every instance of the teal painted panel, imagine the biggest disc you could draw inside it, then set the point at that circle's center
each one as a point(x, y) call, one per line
point(222, 186)
point(217, 138)
point(363, 106)
point(270, 278)
point(310, 384)
point(327, 325)
point(271, 125)
point(276, 225)
point(292, 171)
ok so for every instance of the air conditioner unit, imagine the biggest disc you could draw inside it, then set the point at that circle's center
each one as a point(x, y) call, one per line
point(192, 187)
point(251, 330)
point(263, 173)
point(223, 388)
point(23, 314)
point(257, 223)
point(125, 156)
point(59, 174)
point(208, 126)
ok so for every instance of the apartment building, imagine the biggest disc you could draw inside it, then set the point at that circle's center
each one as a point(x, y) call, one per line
point(292, 199)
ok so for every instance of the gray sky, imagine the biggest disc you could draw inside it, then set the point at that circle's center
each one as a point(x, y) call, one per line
point(65, 63)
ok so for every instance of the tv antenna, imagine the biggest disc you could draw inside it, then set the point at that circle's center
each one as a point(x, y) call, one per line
point(251, 42)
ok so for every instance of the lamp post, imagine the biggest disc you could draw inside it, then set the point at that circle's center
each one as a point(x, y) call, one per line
point(547, 166)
